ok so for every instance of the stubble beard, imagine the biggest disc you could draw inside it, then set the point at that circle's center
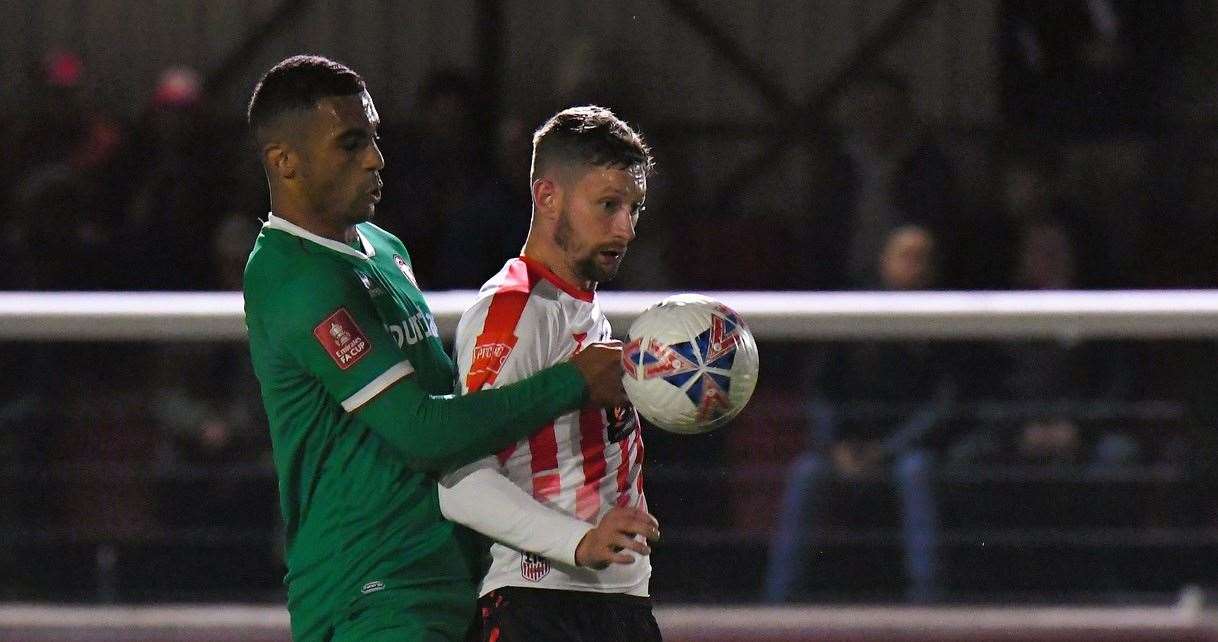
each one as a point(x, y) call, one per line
point(360, 212)
point(586, 267)
point(342, 213)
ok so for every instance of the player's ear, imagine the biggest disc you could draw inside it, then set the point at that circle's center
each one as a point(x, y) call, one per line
point(279, 159)
point(547, 196)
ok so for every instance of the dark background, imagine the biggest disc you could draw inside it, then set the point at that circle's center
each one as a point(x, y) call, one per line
point(1038, 145)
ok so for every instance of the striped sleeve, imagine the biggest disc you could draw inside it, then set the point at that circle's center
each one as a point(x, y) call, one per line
point(482, 360)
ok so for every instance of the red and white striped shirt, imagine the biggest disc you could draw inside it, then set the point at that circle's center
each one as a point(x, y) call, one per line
point(575, 468)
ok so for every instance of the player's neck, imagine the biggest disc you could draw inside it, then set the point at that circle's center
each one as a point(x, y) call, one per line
point(552, 259)
point(311, 222)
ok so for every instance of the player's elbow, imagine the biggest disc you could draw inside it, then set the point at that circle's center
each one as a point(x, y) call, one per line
point(452, 506)
point(431, 445)
point(427, 460)
point(409, 427)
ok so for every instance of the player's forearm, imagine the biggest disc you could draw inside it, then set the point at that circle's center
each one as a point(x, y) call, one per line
point(441, 432)
point(491, 504)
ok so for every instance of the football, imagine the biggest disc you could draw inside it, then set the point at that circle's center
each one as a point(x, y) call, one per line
point(690, 364)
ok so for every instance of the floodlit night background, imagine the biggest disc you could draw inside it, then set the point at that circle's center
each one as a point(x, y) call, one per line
point(829, 145)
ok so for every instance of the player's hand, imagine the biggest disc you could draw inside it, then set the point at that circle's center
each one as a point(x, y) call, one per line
point(618, 531)
point(601, 366)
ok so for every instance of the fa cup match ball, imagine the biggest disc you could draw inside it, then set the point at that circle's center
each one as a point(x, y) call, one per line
point(690, 364)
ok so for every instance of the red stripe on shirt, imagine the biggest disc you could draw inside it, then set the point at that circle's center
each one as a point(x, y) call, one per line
point(498, 337)
point(623, 468)
point(639, 482)
point(592, 449)
point(543, 462)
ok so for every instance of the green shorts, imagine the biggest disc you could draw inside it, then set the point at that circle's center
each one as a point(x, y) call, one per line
point(442, 614)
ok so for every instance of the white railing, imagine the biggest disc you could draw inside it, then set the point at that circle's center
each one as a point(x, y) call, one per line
point(135, 316)
point(1185, 620)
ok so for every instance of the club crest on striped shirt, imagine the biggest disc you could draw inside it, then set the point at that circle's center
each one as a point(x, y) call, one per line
point(533, 567)
point(622, 420)
point(489, 357)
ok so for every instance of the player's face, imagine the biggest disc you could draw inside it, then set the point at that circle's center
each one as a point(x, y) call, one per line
point(596, 223)
point(341, 163)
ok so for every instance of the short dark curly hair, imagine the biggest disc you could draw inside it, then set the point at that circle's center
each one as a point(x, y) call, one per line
point(296, 84)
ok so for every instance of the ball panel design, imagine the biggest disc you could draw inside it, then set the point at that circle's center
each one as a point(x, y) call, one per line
point(690, 364)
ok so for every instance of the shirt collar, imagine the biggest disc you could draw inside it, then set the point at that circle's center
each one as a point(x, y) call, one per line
point(566, 286)
point(283, 225)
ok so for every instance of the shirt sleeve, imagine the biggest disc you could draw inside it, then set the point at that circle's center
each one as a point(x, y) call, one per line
point(480, 497)
point(501, 340)
point(493, 350)
point(330, 327)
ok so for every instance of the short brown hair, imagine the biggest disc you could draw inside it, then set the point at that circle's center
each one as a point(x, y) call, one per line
point(591, 136)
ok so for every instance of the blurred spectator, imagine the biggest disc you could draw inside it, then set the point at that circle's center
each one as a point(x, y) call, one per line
point(486, 230)
point(1100, 77)
point(1054, 377)
point(104, 447)
point(230, 247)
point(1027, 192)
point(1045, 372)
point(65, 125)
point(876, 406)
point(31, 418)
point(211, 416)
point(1089, 69)
point(588, 70)
point(174, 197)
point(892, 173)
point(432, 169)
point(64, 155)
point(213, 456)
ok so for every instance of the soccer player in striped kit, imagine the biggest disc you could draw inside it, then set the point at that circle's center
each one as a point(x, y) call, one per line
point(565, 506)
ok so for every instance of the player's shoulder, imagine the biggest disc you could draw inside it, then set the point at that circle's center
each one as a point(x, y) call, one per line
point(281, 268)
point(277, 253)
point(520, 278)
point(271, 258)
point(383, 239)
point(545, 285)
point(516, 284)
point(504, 300)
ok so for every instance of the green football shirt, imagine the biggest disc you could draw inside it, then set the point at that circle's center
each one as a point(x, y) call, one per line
point(357, 388)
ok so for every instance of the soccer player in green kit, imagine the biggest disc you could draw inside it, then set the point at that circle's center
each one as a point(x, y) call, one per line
point(357, 385)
